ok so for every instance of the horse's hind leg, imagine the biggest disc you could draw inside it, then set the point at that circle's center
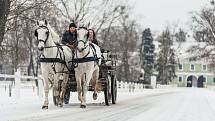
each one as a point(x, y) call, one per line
point(94, 83)
point(63, 88)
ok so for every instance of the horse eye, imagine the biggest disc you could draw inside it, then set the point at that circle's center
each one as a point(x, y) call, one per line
point(47, 32)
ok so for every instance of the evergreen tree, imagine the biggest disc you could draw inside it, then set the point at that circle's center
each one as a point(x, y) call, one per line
point(180, 36)
point(148, 55)
point(171, 66)
point(165, 56)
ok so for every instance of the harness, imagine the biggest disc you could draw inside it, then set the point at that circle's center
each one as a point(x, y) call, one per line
point(55, 60)
point(36, 34)
point(84, 59)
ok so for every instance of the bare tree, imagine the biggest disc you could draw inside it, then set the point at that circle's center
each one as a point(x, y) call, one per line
point(204, 25)
point(20, 27)
point(4, 11)
point(98, 12)
point(204, 31)
point(123, 40)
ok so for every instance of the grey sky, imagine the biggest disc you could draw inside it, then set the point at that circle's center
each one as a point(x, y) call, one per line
point(157, 14)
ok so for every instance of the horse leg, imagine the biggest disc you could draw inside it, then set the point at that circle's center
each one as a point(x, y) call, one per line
point(84, 90)
point(79, 87)
point(94, 82)
point(46, 91)
point(85, 84)
point(56, 88)
point(63, 88)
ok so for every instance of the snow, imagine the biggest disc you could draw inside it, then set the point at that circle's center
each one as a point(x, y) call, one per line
point(189, 105)
point(163, 104)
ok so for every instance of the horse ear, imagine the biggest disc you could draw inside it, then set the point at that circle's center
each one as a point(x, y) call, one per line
point(88, 25)
point(77, 24)
point(46, 22)
point(35, 33)
point(38, 23)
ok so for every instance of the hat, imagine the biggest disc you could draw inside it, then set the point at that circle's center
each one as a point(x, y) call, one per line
point(72, 25)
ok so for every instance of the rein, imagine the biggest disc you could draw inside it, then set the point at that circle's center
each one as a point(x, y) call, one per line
point(83, 60)
point(50, 60)
point(54, 46)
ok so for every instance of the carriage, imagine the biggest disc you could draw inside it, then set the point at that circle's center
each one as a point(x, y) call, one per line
point(107, 79)
point(85, 68)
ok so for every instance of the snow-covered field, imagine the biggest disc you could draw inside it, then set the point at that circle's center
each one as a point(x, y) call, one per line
point(167, 104)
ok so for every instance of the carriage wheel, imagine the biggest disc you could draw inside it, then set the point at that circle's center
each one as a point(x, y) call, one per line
point(113, 89)
point(67, 96)
point(107, 92)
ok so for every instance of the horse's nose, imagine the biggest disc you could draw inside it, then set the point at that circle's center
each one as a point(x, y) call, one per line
point(40, 48)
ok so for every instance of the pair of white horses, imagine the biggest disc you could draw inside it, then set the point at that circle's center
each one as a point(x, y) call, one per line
point(55, 63)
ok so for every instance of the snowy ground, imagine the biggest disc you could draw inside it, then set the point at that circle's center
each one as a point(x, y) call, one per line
point(168, 104)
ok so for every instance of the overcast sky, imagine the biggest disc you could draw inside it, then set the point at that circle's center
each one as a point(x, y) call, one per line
point(157, 14)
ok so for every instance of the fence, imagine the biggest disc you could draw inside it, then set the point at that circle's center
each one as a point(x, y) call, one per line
point(122, 86)
point(132, 86)
point(17, 83)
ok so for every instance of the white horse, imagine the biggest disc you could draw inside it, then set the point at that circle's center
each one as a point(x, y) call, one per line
point(53, 58)
point(88, 66)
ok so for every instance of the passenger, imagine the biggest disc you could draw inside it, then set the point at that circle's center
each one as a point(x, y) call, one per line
point(92, 36)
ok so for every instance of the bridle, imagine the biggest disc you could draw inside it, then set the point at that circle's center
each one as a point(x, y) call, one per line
point(47, 33)
point(85, 42)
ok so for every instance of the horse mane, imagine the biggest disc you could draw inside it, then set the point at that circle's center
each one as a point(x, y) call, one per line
point(55, 36)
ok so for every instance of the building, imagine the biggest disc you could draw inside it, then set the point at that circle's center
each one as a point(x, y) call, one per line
point(192, 70)
point(194, 73)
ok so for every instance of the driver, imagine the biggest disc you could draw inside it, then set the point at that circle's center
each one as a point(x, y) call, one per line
point(70, 36)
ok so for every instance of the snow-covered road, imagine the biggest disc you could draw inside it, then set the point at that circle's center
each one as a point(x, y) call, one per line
point(170, 104)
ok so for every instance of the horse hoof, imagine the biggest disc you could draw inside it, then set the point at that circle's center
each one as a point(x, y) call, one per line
point(95, 96)
point(60, 105)
point(83, 106)
point(44, 107)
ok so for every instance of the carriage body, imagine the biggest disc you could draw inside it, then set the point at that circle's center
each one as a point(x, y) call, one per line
point(107, 79)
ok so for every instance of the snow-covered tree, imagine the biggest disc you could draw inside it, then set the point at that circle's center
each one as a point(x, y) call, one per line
point(171, 65)
point(123, 40)
point(163, 63)
point(203, 27)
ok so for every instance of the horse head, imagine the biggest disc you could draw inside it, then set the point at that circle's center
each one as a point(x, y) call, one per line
point(42, 33)
point(82, 38)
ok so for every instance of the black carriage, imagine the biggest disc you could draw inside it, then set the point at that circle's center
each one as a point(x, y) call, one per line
point(107, 79)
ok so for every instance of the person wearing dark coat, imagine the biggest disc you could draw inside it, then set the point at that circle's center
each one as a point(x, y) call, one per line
point(70, 36)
